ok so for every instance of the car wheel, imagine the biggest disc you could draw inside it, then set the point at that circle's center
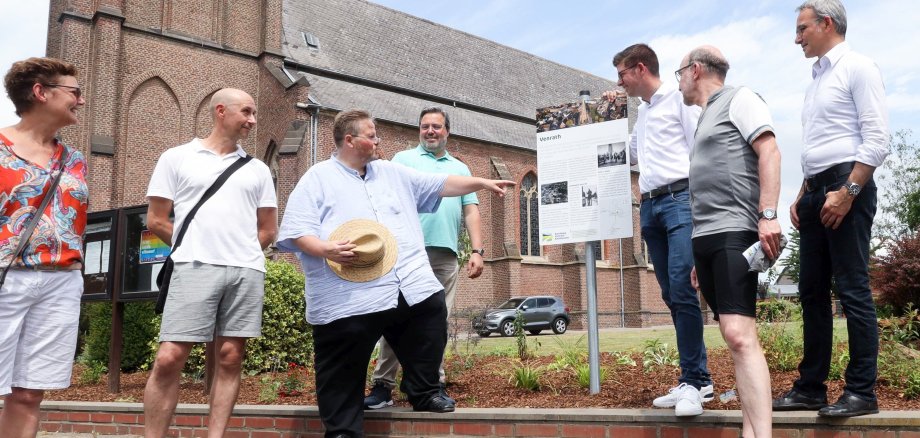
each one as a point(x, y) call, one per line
point(560, 326)
point(484, 334)
point(507, 328)
point(535, 332)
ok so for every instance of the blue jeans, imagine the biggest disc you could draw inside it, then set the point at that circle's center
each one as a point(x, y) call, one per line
point(666, 228)
point(844, 255)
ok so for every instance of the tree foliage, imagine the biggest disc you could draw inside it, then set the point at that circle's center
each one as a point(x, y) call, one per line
point(901, 200)
point(895, 274)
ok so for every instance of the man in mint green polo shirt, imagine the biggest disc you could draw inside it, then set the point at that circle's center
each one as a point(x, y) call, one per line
point(441, 230)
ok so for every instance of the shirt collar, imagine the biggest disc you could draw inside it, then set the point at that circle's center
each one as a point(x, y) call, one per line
point(198, 145)
point(422, 151)
point(829, 59)
point(350, 171)
point(662, 90)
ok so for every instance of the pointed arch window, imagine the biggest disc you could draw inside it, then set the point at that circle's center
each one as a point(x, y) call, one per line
point(529, 216)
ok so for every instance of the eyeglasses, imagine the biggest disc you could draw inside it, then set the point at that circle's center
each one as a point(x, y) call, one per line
point(375, 139)
point(677, 72)
point(77, 92)
point(425, 127)
point(620, 72)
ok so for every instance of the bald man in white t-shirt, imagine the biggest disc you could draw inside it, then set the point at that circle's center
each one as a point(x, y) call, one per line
point(217, 285)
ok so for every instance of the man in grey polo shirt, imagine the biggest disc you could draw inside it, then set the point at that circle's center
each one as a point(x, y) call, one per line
point(734, 188)
point(405, 304)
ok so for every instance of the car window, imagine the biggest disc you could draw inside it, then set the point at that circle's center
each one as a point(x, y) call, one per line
point(510, 304)
point(544, 302)
point(531, 303)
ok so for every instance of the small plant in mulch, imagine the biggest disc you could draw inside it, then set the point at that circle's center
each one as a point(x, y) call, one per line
point(93, 372)
point(657, 354)
point(840, 358)
point(583, 375)
point(526, 376)
point(292, 384)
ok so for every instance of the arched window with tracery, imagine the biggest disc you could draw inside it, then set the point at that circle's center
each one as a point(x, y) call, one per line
point(530, 216)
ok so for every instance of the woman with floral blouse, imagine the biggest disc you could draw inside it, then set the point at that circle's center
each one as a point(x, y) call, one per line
point(40, 296)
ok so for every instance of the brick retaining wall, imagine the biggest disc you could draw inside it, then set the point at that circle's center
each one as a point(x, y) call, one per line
point(303, 421)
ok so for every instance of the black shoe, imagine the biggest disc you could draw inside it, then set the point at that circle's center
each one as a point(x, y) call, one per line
point(796, 401)
point(379, 398)
point(849, 405)
point(437, 404)
point(447, 397)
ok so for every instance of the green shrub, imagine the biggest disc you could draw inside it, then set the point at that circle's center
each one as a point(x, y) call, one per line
point(777, 310)
point(286, 336)
point(137, 331)
point(782, 347)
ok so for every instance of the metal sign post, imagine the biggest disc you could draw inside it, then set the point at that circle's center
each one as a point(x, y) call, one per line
point(593, 343)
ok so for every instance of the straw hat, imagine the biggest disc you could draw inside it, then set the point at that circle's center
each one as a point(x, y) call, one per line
point(376, 250)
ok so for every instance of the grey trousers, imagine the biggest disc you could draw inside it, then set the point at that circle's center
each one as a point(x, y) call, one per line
point(444, 264)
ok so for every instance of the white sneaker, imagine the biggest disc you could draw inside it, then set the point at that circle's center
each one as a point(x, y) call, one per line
point(689, 403)
point(669, 400)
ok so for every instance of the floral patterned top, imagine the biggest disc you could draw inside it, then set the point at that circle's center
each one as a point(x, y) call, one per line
point(58, 237)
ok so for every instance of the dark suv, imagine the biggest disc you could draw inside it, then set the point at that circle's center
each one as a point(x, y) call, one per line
point(540, 313)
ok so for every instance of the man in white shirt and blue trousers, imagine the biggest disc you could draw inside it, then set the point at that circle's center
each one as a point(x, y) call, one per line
point(845, 136)
point(660, 144)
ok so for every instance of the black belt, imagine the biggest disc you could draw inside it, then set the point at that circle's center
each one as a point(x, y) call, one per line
point(674, 187)
point(829, 176)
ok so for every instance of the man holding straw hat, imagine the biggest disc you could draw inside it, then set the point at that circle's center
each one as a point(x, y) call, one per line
point(353, 222)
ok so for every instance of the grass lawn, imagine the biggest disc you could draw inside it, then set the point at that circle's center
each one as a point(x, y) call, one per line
point(616, 339)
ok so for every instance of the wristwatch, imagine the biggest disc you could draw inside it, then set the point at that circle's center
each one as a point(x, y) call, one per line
point(852, 188)
point(480, 251)
point(768, 214)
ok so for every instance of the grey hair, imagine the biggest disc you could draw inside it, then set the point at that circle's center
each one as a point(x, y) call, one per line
point(828, 8)
point(710, 61)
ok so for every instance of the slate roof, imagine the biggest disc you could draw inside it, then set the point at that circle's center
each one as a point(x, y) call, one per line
point(394, 64)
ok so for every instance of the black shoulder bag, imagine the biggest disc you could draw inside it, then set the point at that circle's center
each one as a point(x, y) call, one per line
point(33, 223)
point(167, 269)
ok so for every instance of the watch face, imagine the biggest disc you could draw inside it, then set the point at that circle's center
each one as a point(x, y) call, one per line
point(768, 213)
point(853, 188)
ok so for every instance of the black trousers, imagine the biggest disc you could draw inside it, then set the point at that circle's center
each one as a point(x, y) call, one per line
point(342, 348)
point(844, 255)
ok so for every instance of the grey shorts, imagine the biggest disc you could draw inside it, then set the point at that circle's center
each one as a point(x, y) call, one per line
point(203, 296)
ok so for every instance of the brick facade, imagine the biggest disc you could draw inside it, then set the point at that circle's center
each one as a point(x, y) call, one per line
point(149, 67)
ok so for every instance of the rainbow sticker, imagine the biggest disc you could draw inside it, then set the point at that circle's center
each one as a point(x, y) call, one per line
point(152, 249)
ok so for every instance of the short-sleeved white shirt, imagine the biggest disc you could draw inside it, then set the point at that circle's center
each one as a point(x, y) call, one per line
point(225, 229)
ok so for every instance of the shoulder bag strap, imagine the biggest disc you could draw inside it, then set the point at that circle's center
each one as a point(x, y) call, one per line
point(207, 194)
point(33, 223)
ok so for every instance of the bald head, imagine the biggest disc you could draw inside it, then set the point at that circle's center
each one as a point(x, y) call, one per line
point(710, 59)
point(228, 96)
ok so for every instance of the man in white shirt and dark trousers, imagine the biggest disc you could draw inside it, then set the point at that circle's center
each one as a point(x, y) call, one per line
point(218, 281)
point(845, 136)
point(661, 143)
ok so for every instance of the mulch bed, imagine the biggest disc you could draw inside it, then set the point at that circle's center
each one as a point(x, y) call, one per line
point(483, 382)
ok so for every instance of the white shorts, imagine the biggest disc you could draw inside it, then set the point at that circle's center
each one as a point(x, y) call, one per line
point(39, 317)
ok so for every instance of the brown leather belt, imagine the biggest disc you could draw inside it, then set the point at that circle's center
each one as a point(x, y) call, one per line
point(674, 187)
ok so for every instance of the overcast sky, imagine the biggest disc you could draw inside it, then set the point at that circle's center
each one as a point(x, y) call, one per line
point(756, 37)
